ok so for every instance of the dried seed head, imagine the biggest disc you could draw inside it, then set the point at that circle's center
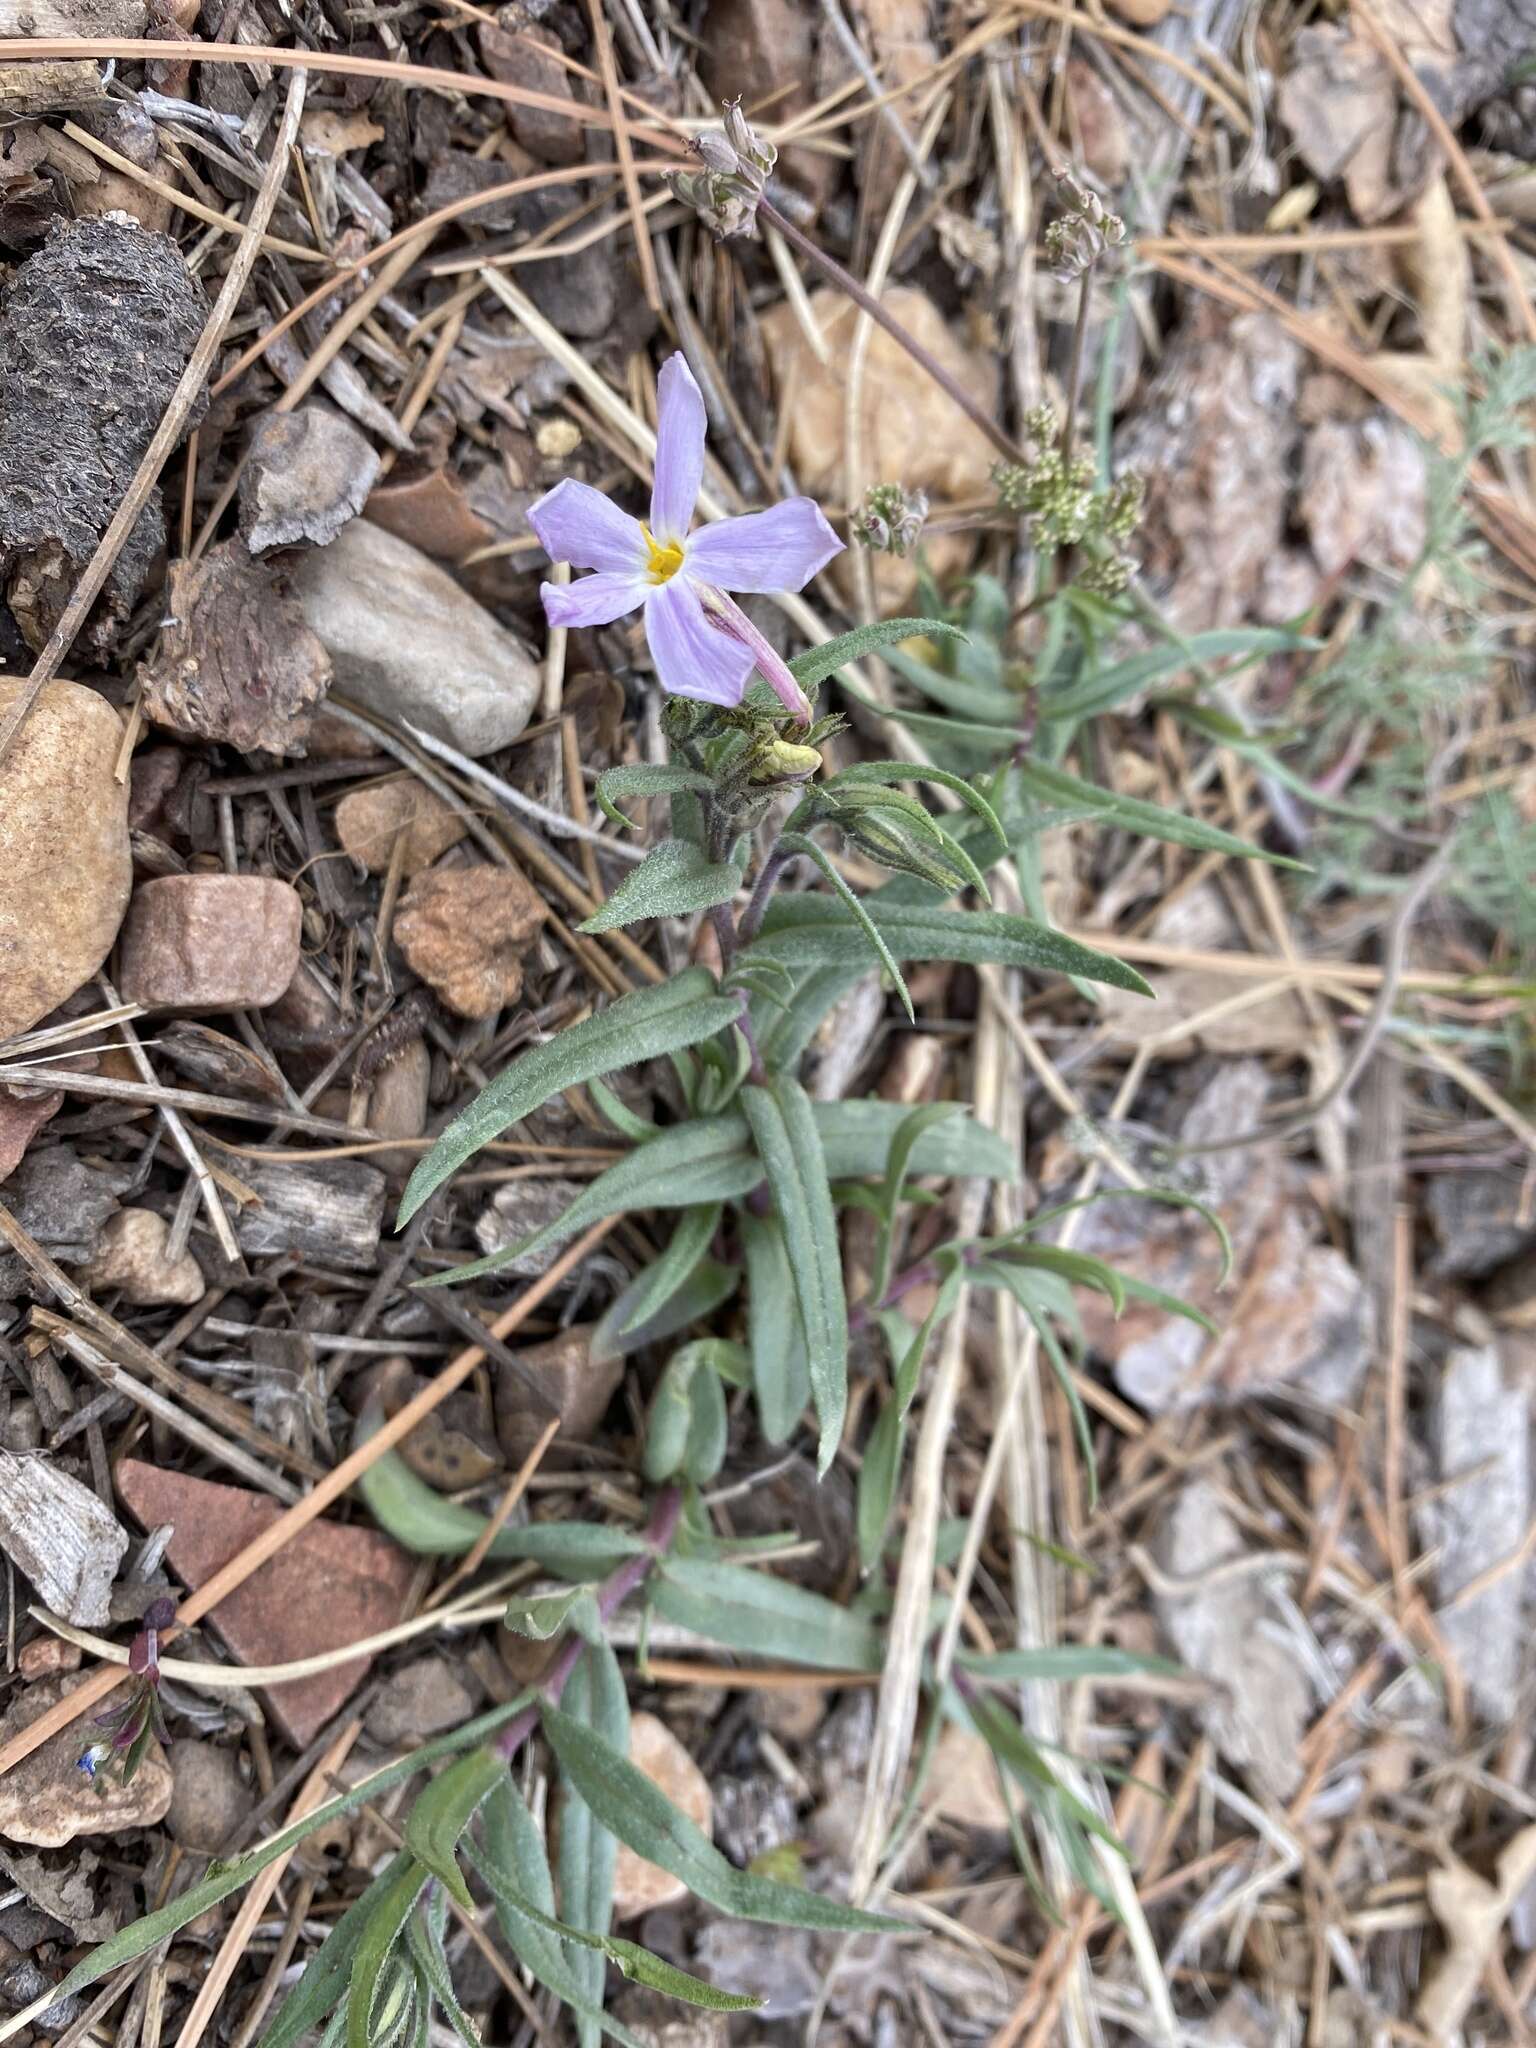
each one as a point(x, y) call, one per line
point(1085, 231)
point(890, 519)
point(736, 163)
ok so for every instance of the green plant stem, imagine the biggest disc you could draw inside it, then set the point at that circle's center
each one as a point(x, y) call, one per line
point(659, 1535)
point(867, 303)
point(1075, 367)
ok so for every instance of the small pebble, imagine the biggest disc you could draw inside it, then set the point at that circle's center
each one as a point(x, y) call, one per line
point(465, 931)
point(367, 821)
point(579, 1389)
point(421, 1699)
point(210, 942)
point(209, 1798)
point(46, 1657)
point(131, 1259)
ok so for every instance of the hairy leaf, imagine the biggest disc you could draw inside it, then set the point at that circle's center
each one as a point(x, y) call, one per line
point(817, 663)
point(597, 1705)
point(765, 1616)
point(780, 1370)
point(644, 779)
point(673, 880)
point(788, 1142)
point(640, 1813)
point(445, 1809)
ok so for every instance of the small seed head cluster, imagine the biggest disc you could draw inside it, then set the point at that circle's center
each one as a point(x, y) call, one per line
point(736, 162)
point(1084, 233)
point(1057, 496)
point(890, 519)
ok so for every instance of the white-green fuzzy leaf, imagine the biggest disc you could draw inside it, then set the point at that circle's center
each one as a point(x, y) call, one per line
point(689, 1242)
point(878, 1474)
point(380, 1937)
point(1064, 1662)
point(673, 880)
point(788, 1142)
point(538, 1616)
point(764, 1616)
point(905, 771)
point(642, 778)
point(639, 1813)
point(680, 1012)
point(812, 931)
point(858, 1136)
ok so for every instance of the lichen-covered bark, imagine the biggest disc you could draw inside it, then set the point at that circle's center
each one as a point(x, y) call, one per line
point(96, 330)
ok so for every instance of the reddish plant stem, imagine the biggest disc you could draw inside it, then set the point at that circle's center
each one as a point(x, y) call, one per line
point(659, 1534)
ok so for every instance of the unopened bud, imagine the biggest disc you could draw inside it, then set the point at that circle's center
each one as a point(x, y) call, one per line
point(726, 192)
point(890, 519)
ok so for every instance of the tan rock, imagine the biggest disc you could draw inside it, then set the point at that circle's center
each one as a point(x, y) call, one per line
point(638, 1886)
point(962, 1781)
point(465, 931)
point(211, 942)
point(910, 432)
point(368, 820)
point(578, 1389)
point(1106, 145)
point(47, 1657)
point(210, 1798)
point(131, 1259)
point(65, 868)
point(47, 1800)
point(1141, 13)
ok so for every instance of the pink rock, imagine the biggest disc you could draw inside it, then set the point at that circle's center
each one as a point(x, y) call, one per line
point(210, 942)
point(330, 1586)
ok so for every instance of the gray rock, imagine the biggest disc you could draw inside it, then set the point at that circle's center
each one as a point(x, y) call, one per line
point(1482, 1428)
point(421, 1699)
point(408, 643)
point(516, 1211)
point(209, 1797)
point(1225, 1629)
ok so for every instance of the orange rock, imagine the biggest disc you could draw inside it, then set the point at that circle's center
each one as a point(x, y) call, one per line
point(465, 931)
point(639, 1886)
point(367, 821)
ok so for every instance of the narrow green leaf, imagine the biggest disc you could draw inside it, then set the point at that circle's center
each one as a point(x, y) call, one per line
point(323, 1985)
point(1150, 821)
point(817, 663)
point(857, 1137)
point(1103, 688)
point(689, 1242)
point(780, 1370)
point(639, 1813)
point(1061, 1663)
point(710, 1284)
point(539, 1616)
point(424, 1938)
point(445, 1809)
point(706, 1160)
point(925, 1117)
point(673, 880)
point(765, 1616)
point(597, 1705)
point(815, 930)
point(788, 1143)
point(905, 771)
point(801, 842)
point(638, 1027)
point(380, 1937)
point(878, 1474)
point(638, 1129)
point(1078, 1267)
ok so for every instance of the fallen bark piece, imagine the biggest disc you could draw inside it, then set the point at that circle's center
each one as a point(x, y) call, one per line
point(47, 1800)
point(1483, 1430)
point(332, 1585)
point(306, 474)
point(65, 865)
point(97, 329)
point(235, 660)
point(408, 643)
point(330, 1210)
point(131, 1259)
point(60, 1536)
point(211, 942)
point(465, 930)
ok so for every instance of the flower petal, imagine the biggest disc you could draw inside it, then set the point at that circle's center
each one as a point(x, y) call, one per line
point(780, 549)
point(726, 617)
point(679, 449)
point(594, 600)
point(692, 657)
point(579, 525)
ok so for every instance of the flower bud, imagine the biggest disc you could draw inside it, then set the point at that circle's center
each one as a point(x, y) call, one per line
point(890, 519)
point(736, 160)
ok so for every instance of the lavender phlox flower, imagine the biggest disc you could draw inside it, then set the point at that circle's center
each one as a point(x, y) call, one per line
point(702, 643)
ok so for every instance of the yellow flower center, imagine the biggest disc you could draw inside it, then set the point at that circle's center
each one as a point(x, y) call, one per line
point(666, 557)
